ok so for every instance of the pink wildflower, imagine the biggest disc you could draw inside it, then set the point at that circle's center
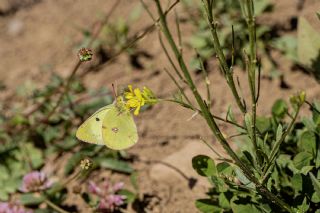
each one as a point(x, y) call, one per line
point(35, 181)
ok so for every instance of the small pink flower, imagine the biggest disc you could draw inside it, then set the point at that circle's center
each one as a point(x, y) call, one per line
point(118, 186)
point(109, 200)
point(12, 208)
point(117, 200)
point(35, 181)
point(94, 189)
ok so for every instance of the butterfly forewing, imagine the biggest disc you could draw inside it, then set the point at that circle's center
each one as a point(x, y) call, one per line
point(90, 130)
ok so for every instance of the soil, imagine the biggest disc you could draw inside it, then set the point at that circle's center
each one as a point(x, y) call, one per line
point(40, 37)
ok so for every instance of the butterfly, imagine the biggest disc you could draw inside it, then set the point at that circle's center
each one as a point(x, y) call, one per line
point(112, 125)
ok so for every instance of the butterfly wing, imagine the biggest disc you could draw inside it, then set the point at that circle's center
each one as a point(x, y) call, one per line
point(90, 130)
point(119, 130)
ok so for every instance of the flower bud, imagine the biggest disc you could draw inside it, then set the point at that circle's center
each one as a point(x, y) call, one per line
point(85, 54)
point(86, 164)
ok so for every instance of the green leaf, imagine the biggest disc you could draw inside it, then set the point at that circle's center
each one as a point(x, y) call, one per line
point(198, 42)
point(225, 169)
point(248, 122)
point(116, 165)
point(68, 143)
point(261, 6)
point(73, 162)
point(307, 142)
point(318, 158)
point(279, 108)
point(230, 114)
point(134, 180)
point(303, 207)
point(204, 165)
point(31, 199)
point(279, 132)
point(263, 124)
point(35, 155)
point(207, 206)
point(287, 44)
point(223, 201)
point(218, 183)
point(318, 15)
point(315, 198)
point(50, 134)
point(4, 196)
point(241, 208)
point(316, 184)
point(296, 182)
point(308, 122)
point(306, 169)
point(130, 196)
point(302, 159)
point(243, 179)
point(12, 185)
point(308, 44)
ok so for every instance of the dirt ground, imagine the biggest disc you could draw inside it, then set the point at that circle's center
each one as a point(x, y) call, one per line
point(40, 38)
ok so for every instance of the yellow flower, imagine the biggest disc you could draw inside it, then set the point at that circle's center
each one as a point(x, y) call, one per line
point(148, 95)
point(134, 99)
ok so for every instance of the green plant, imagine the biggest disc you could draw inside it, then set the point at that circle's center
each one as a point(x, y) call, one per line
point(230, 29)
point(293, 176)
point(249, 179)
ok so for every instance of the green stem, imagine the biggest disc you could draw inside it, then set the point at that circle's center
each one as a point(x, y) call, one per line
point(61, 186)
point(276, 146)
point(209, 118)
point(66, 90)
point(55, 207)
point(252, 72)
point(222, 59)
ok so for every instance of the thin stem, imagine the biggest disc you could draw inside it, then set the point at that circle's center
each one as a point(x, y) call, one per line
point(259, 83)
point(170, 59)
point(276, 146)
point(228, 121)
point(179, 87)
point(61, 186)
point(212, 149)
point(206, 80)
point(178, 30)
point(221, 57)
point(55, 207)
point(148, 11)
point(252, 72)
point(65, 92)
point(312, 107)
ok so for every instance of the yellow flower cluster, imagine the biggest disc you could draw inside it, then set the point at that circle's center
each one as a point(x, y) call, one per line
point(137, 98)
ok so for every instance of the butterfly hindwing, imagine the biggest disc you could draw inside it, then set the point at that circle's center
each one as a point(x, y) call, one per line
point(90, 130)
point(119, 130)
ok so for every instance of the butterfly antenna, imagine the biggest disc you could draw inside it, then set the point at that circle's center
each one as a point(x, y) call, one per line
point(114, 91)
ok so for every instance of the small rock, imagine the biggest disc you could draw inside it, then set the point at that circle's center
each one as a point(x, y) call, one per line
point(15, 27)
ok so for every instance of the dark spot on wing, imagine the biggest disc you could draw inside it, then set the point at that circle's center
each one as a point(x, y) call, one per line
point(104, 127)
point(115, 129)
point(97, 119)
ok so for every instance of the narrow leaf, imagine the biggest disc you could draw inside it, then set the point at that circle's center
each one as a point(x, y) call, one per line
point(316, 183)
point(116, 165)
